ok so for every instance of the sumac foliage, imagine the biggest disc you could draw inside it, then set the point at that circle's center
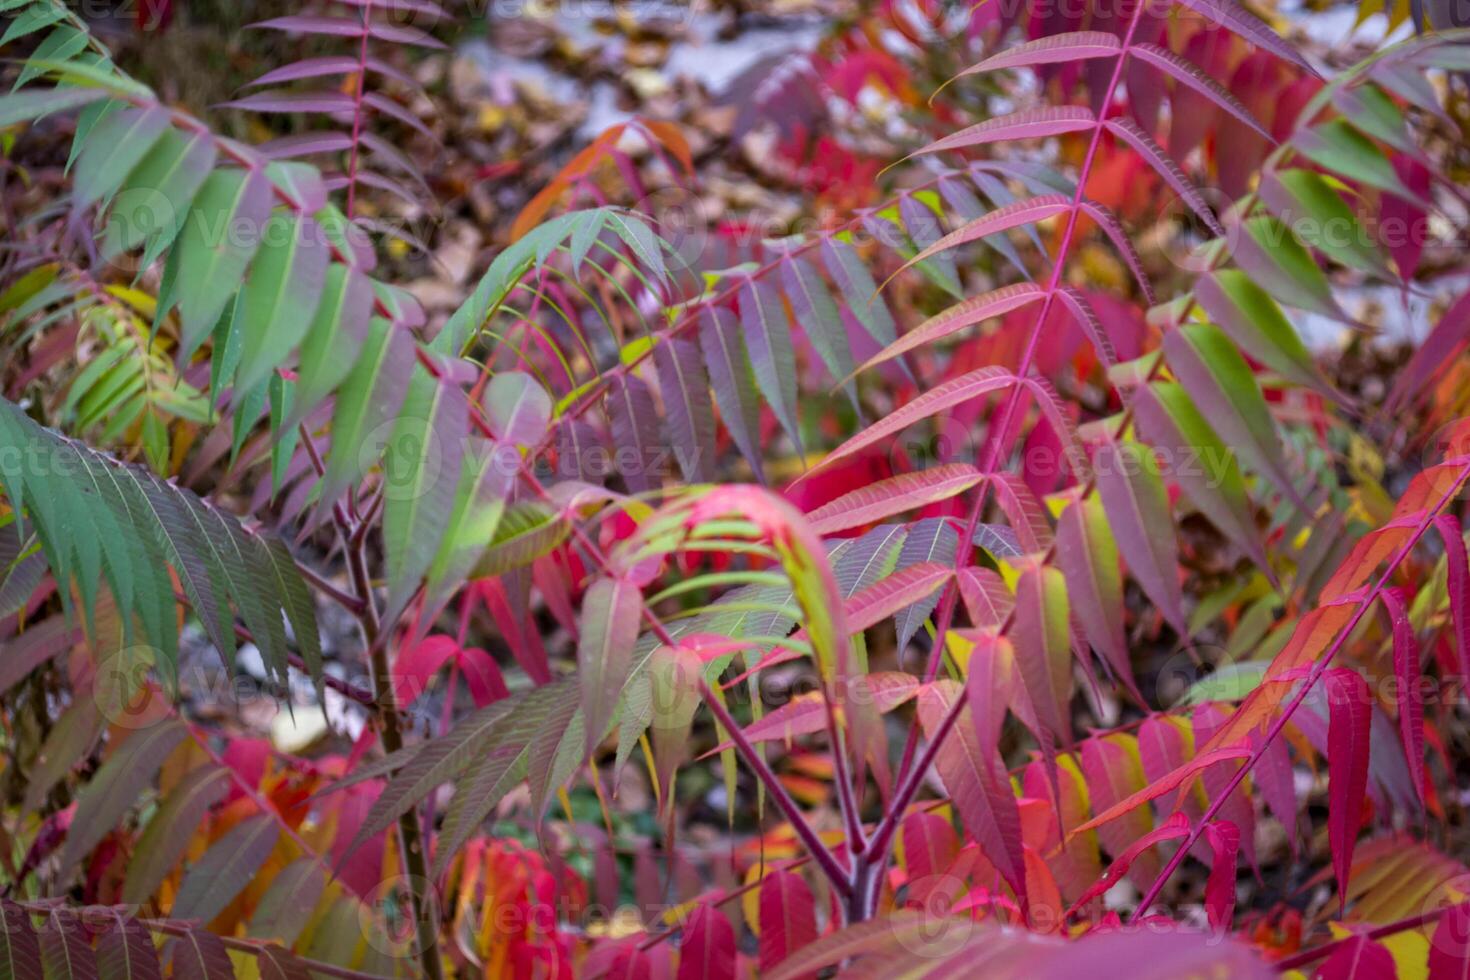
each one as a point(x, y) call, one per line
point(994, 578)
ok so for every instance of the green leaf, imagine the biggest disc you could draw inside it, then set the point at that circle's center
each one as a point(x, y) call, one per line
point(1305, 201)
point(1088, 558)
point(112, 792)
point(280, 295)
point(485, 483)
point(114, 148)
point(220, 234)
point(527, 531)
point(338, 328)
point(25, 106)
point(212, 882)
point(1272, 257)
point(1342, 149)
point(611, 611)
point(1251, 318)
point(1222, 384)
point(99, 520)
point(768, 338)
point(366, 403)
point(1137, 507)
point(1201, 464)
point(421, 475)
point(167, 835)
point(59, 46)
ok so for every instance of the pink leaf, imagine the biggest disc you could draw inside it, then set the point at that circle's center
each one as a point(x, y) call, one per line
point(1024, 512)
point(1405, 223)
point(1360, 958)
point(967, 312)
point(1189, 74)
point(1026, 212)
point(807, 713)
point(611, 612)
point(1127, 130)
point(1026, 124)
point(990, 679)
point(986, 597)
point(788, 917)
point(1433, 355)
point(1068, 47)
point(708, 949)
point(1350, 717)
point(898, 591)
point(954, 392)
point(1273, 776)
point(1158, 787)
point(1137, 508)
point(907, 491)
point(282, 101)
point(1236, 19)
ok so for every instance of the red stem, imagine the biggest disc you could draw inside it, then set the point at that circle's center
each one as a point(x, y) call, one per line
point(911, 775)
point(1298, 960)
point(1318, 669)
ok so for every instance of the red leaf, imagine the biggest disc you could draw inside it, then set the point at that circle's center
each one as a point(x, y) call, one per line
point(1433, 355)
point(1406, 673)
point(482, 676)
point(708, 949)
point(1449, 948)
point(1405, 224)
point(1350, 717)
point(1224, 840)
point(1358, 959)
point(414, 667)
point(788, 916)
point(1458, 568)
point(978, 785)
point(930, 847)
